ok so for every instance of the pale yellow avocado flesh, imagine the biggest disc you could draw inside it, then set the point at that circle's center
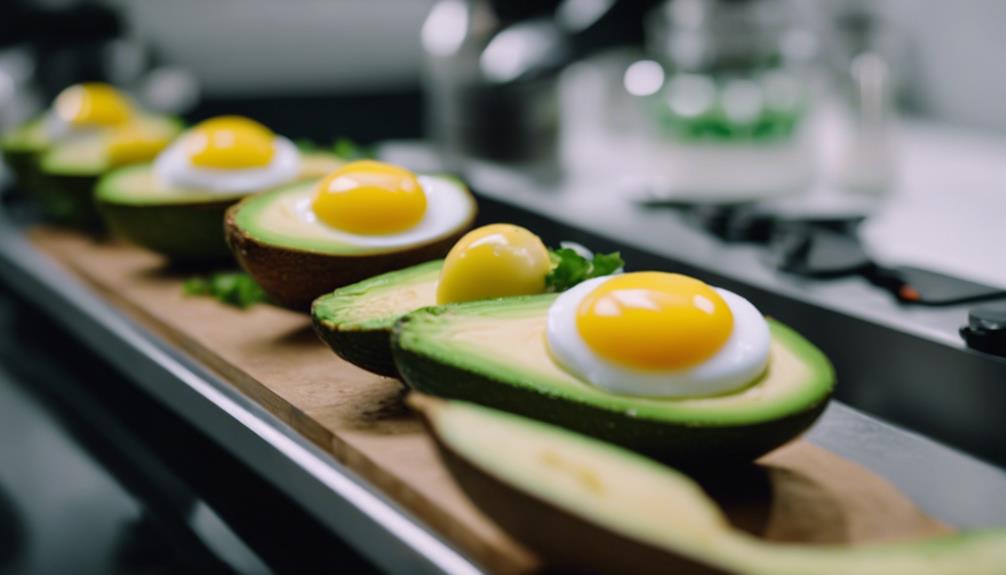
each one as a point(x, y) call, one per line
point(508, 340)
point(88, 154)
point(138, 185)
point(639, 499)
point(376, 303)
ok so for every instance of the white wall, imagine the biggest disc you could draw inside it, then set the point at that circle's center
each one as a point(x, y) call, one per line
point(257, 47)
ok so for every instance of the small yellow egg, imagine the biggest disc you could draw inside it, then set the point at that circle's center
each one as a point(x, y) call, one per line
point(493, 261)
point(133, 143)
point(230, 143)
point(370, 198)
point(92, 104)
point(654, 321)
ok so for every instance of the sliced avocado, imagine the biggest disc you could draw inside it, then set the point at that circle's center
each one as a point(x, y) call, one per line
point(297, 259)
point(86, 156)
point(494, 353)
point(184, 225)
point(69, 170)
point(356, 320)
point(20, 149)
point(591, 507)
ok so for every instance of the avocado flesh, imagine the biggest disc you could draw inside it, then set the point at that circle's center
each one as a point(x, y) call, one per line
point(30, 136)
point(85, 156)
point(68, 172)
point(182, 224)
point(588, 505)
point(296, 260)
point(356, 320)
point(494, 353)
point(265, 218)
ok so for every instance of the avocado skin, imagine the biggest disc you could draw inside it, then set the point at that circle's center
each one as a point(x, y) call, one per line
point(68, 199)
point(23, 157)
point(370, 349)
point(668, 443)
point(24, 165)
point(294, 278)
point(366, 345)
point(185, 233)
point(554, 533)
point(683, 445)
point(570, 540)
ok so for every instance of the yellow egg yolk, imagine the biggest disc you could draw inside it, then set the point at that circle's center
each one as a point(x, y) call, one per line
point(654, 321)
point(370, 198)
point(229, 143)
point(92, 104)
point(493, 261)
point(131, 144)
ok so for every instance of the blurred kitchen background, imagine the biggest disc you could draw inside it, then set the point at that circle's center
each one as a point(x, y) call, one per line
point(856, 147)
point(834, 105)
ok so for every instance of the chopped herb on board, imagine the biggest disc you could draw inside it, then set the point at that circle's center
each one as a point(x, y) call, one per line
point(232, 288)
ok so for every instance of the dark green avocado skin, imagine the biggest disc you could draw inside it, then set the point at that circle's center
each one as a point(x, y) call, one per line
point(24, 165)
point(187, 233)
point(62, 198)
point(67, 199)
point(368, 350)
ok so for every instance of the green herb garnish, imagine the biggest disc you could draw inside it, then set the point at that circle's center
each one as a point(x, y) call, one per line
point(232, 288)
point(570, 268)
point(349, 150)
point(343, 147)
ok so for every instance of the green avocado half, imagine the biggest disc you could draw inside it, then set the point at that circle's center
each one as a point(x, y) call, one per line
point(356, 320)
point(184, 225)
point(296, 259)
point(69, 169)
point(494, 353)
point(20, 149)
point(590, 507)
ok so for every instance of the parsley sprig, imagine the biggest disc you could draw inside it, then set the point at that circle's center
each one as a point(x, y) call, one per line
point(570, 268)
point(232, 288)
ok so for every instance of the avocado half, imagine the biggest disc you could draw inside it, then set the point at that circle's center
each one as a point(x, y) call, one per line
point(21, 148)
point(494, 353)
point(356, 320)
point(68, 172)
point(295, 263)
point(587, 506)
point(184, 225)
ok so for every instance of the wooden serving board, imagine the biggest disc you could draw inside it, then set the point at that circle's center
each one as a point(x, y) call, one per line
point(798, 493)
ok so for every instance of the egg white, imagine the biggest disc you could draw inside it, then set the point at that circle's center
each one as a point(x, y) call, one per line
point(448, 207)
point(741, 360)
point(57, 128)
point(174, 167)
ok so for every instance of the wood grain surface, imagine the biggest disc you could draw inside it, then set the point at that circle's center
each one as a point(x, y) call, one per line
point(798, 493)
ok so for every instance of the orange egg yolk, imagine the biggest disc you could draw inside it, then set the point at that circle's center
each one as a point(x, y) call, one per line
point(370, 198)
point(229, 143)
point(494, 261)
point(92, 104)
point(654, 321)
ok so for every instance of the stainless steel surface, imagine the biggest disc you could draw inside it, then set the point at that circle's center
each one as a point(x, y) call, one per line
point(39, 536)
point(947, 484)
point(383, 532)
